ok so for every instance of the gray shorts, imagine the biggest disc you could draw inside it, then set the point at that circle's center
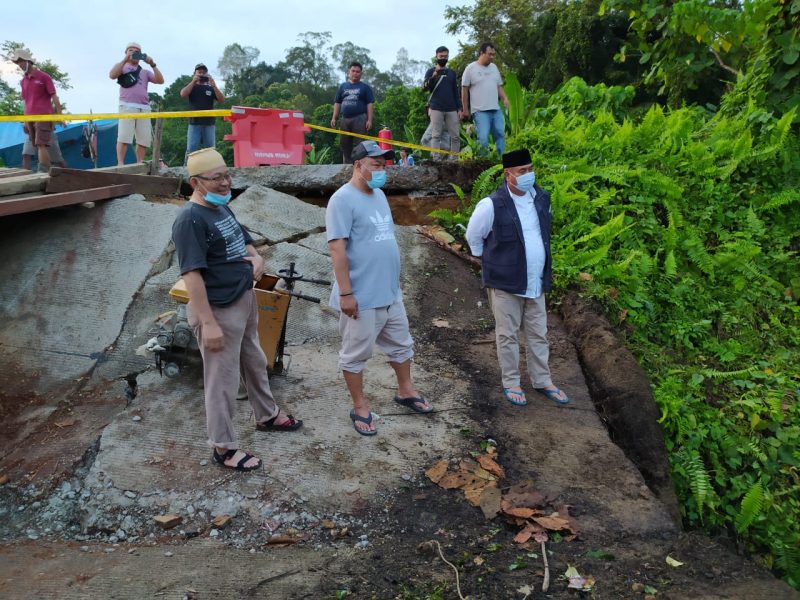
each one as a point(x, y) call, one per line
point(385, 327)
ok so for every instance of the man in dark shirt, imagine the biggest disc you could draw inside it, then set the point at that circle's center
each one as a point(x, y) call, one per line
point(202, 92)
point(219, 263)
point(354, 99)
point(444, 104)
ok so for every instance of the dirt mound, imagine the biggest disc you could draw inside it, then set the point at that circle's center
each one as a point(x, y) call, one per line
point(621, 392)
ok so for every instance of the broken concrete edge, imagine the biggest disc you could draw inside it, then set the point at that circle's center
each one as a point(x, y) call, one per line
point(433, 176)
point(622, 393)
point(626, 403)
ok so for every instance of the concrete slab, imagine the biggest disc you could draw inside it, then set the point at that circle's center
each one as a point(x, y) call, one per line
point(59, 310)
point(272, 217)
point(327, 463)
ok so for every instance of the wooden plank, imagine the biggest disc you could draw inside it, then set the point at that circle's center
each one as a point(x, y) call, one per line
point(69, 180)
point(156, 147)
point(142, 168)
point(13, 172)
point(23, 184)
point(26, 205)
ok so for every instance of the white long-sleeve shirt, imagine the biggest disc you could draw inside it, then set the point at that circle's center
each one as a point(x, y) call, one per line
point(480, 226)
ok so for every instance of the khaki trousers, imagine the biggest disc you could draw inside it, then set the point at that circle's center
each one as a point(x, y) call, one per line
point(513, 314)
point(440, 121)
point(241, 355)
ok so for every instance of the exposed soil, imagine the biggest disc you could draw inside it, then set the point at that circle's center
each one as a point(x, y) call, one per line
point(401, 565)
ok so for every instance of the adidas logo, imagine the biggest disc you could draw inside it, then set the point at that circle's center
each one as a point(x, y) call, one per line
point(383, 226)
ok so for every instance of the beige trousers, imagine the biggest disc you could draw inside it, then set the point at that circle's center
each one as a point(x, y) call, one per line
point(242, 354)
point(513, 314)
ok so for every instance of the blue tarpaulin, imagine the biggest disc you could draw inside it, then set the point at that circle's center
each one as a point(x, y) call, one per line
point(70, 138)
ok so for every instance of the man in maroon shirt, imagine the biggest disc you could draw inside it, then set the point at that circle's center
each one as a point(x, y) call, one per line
point(40, 98)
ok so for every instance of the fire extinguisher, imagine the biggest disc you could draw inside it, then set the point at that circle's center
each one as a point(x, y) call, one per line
point(385, 134)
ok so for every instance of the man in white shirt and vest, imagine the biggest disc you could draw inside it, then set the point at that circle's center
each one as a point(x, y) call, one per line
point(510, 232)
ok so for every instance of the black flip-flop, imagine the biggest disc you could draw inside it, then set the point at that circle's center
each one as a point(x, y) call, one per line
point(221, 458)
point(366, 420)
point(411, 402)
point(292, 425)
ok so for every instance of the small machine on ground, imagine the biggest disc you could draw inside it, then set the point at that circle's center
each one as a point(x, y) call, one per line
point(174, 338)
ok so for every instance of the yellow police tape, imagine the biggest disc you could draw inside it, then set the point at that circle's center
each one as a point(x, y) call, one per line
point(382, 140)
point(199, 113)
point(96, 116)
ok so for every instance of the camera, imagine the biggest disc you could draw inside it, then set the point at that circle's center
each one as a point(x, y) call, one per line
point(139, 56)
point(203, 78)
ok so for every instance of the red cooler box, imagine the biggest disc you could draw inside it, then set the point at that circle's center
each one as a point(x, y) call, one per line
point(267, 136)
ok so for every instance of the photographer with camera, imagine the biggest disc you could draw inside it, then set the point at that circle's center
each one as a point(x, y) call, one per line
point(133, 80)
point(202, 92)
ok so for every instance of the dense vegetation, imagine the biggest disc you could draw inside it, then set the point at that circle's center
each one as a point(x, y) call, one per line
point(685, 223)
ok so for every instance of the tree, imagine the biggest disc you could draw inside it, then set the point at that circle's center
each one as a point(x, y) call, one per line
point(696, 50)
point(408, 70)
point(309, 61)
point(235, 59)
point(344, 54)
point(60, 78)
point(255, 80)
point(10, 100)
point(545, 42)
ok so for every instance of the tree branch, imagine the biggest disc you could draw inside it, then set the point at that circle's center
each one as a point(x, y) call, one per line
point(722, 64)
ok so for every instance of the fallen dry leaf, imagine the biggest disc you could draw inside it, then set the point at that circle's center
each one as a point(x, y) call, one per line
point(522, 512)
point(452, 481)
point(65, 423)
point(440, 323)
point(673, 563)
point(478, 561)
point(437, 471)
point(584, 276)
point(489, 464)
point(473, 496)
point(524, 535)
point(553, 523)
point(523, 495)
point(282, 540)
point(328, 524)
point(490, 502)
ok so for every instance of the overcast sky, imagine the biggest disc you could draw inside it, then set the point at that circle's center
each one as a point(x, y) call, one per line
point(85, 38)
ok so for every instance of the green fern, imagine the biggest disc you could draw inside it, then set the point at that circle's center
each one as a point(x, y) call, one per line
point(780, 199)
point(752, 505)
point(722, 375)
point(787, 557)
point(697, 476)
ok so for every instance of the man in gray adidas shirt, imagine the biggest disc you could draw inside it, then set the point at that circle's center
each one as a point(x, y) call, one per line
point(366, 288)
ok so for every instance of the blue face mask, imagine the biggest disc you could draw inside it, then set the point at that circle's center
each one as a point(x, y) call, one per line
point(217, 199)
point(525, 182)
point(378, 180)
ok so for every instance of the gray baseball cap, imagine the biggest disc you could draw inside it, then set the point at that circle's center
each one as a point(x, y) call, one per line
point(372, 149)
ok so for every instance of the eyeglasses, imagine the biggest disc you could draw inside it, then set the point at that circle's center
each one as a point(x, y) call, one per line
point(217, 178)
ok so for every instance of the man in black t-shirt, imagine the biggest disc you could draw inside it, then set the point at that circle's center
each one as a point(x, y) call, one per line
point(202, 92)
point(218, 263)
point(444, 105)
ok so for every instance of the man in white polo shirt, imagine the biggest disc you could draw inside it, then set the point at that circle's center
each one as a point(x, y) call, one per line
point(481, 85)
point(133, 80)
